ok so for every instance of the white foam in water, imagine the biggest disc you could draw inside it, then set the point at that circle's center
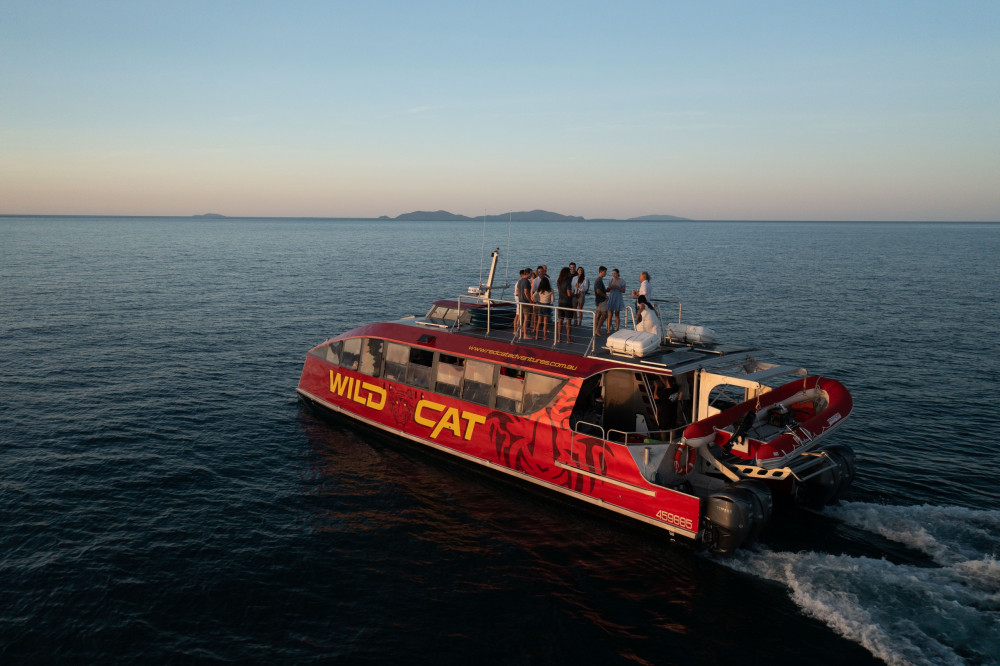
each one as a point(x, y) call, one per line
point(901, 613)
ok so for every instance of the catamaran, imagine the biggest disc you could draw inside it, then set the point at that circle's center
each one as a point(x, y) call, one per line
point(679, 431)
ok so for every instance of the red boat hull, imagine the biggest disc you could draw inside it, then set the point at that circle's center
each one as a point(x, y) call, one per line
point(539, 447)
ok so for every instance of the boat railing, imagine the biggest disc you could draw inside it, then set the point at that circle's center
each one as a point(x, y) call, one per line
point(498, 319)
point(629, 317)
point(630, 312)
point(584, 434)
point(645, 437)
point(660, 311)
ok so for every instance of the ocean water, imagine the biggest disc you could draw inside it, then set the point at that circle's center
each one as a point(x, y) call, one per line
point(164, 496)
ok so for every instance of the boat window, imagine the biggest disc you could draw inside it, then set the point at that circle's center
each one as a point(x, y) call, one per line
point(667, 403)
point(587, 416)
point(510, 389)
point(419, 372)
point(478, 382)
point(351, 353)
point(437, 315)
point(330, 352)
point(396, 357)
point(622, 402)
point(539, 390)
point(724, 396)
point(371, 357)
point(449, 375)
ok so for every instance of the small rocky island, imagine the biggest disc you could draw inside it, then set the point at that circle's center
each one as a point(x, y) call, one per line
point(523, 216)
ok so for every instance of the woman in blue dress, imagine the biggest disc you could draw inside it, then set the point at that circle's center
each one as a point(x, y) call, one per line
point(615, 301)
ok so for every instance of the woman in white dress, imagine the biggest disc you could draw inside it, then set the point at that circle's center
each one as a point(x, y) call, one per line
point(648, 321)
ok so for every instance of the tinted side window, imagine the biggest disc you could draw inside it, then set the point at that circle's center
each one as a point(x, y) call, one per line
point(539, 390)
point(396, 357)
point(510, 389)
point(371, 357)
point(477, 385)
point(351, 354)
point(330, 352)
point(449, 375)
point(419, 372)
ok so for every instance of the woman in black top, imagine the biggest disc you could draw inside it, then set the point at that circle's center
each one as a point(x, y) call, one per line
point(565, 302)
point(544, 307)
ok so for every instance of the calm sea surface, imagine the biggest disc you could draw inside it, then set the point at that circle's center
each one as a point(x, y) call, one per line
point(164, 497)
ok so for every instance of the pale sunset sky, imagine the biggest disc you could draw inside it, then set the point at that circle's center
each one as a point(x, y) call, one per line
point(873, 110)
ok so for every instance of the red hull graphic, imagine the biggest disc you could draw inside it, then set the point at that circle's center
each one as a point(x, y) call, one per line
point(538, 447)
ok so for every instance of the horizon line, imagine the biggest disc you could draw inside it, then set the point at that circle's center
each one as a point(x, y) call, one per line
point(384, 218)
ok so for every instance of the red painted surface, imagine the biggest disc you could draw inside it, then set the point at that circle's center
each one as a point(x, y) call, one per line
point(528, 445)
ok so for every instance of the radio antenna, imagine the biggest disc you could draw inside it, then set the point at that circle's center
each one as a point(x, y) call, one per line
point(506, 277)
point(482, 251)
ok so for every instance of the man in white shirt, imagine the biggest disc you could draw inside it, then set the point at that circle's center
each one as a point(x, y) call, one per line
point(644, 288)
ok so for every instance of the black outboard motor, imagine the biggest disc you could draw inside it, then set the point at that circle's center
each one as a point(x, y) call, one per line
point(738, 514)
point(845, 458)
point(829, 486)
point(763, 506)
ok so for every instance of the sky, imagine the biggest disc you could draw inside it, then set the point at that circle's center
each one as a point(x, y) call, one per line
point(873, 110)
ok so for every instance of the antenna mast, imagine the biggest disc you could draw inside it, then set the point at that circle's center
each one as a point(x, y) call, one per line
point(482, 251)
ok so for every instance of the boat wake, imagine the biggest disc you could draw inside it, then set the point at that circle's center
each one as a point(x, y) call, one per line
point(903, 613)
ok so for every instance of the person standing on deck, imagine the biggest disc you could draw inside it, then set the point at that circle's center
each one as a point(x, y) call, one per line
point(601, 301)
point(565, 296)
point(615, 301)
point(644, 288)
point(522, 294)
point(536, 282)
point(580, 288)
point(543, 311)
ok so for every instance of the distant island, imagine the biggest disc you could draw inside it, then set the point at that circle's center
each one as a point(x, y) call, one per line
point(523, 216)
point(655, 218)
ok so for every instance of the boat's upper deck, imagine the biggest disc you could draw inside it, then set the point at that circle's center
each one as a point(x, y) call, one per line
point(494, 320)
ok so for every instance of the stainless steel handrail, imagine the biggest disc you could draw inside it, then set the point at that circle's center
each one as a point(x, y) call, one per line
point(587, 315)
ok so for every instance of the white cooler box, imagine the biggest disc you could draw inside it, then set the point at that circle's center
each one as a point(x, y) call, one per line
point(633, 343)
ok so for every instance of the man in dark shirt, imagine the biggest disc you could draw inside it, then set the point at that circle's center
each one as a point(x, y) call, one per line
point(601, 301)
point(522, 294)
